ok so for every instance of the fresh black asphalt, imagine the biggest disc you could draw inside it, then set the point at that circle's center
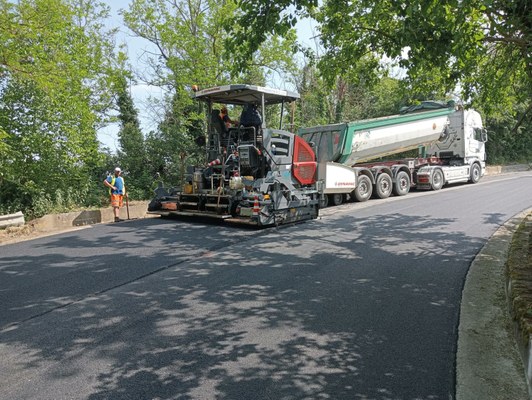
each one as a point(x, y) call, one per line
point(360, 304)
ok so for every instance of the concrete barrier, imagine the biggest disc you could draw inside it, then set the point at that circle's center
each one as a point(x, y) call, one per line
point(16, 219)
point(493, 169)
point(58, 222)
point(502, 169)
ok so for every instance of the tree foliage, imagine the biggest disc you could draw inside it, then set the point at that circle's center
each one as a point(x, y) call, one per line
point(507, 145)
point(58, 45)
point(132, 153)
point(481, 45)
point(186, 38)
point(174, 144)
point(188, 48)
point(346, 101)
point(60, 75)
point(56, 66)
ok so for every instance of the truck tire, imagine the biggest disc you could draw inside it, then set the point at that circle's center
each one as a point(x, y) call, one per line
point(474, 175)
point(383, 186)
point(336, 199)
point(364, 188)
point(437, 179)
point(402, 184)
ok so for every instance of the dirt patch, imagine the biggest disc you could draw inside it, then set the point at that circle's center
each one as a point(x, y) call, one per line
point(13, 234)
point(519, 275)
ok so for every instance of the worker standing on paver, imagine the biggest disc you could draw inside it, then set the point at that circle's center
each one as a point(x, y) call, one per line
point(117, 190)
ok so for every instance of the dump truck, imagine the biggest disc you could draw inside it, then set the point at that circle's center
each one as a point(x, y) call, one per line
point(353, 158)
point(253, 174)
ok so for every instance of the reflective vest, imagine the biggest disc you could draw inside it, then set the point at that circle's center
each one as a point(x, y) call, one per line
point(113, 180)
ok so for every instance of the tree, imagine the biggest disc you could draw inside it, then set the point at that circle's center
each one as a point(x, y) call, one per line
point(177, 142)
point(132, 153)
point(183, 37)
point(348, 99)
point(45, 149)
point(506, 145)
point(187, 41)
point(56, 66)
point(483, 46)
point(58, 45)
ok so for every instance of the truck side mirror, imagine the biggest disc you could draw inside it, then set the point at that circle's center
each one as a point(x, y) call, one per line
point(484, 136)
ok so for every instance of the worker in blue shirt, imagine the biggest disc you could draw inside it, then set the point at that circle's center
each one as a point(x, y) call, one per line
point(117, 190)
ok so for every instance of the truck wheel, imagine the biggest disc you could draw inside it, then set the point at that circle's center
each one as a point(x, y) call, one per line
point(364, 188)
point(437, 179)
point(383, 186)
point(336, 199)
point(402, 184)
point(475, 173)
point(324, 201)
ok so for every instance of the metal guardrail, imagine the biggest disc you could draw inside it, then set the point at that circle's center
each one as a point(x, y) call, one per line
point(16, 219)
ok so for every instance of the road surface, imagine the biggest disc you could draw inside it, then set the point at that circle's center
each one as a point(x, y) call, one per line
point(362, 303)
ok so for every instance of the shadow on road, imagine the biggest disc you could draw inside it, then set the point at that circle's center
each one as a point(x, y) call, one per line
point(356, 308)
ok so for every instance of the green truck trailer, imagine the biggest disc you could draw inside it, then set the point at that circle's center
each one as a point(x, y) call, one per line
point(352, 160)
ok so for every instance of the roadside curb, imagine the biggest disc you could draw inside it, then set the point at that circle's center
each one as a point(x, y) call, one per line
point(502, 169)
point(54, 222)
point(488, 363)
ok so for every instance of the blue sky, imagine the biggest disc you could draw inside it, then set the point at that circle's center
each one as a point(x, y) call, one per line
point(140, 92)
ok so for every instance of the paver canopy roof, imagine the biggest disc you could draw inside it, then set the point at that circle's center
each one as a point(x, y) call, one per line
point(245, 94)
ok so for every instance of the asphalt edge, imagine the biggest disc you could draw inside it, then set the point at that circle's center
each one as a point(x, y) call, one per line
point(489, 364)
point(51, 224)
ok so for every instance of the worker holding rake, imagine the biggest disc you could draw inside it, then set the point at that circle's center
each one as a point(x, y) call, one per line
point(117, 190)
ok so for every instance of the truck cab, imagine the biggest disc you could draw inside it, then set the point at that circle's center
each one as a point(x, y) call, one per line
point(464, 139)
point(462, 149)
